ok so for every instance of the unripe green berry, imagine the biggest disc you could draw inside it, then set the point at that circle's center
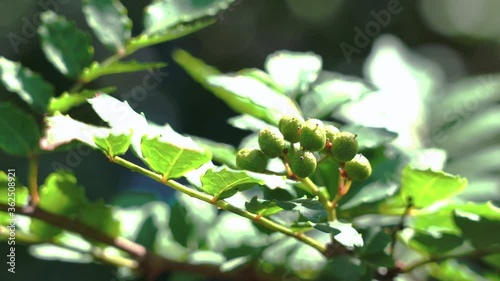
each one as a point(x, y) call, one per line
point(271, 142)
point(331, 132)
point(313, 135)
point(303, 163)
point(344, 146)
point(289, 126)
point(358, 168)
point(251, 159)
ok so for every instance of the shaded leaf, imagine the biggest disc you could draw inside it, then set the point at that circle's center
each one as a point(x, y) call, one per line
point(29, 86)
point(19, 134)
point(479, 223)
point(224, 182)
point(171, 158)
point(373, 192)
point(434, 245)
point(96, 70)
point(162, 15)
point(345, 268)
point(67, 48)
point(262, 207)
point(66, 101)
point(109, 21)
point(58, 195)
point(100, 216)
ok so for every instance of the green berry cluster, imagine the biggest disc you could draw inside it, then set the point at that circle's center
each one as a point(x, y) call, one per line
point(313, 137)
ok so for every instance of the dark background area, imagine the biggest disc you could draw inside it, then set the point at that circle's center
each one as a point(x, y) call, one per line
point(242, 38)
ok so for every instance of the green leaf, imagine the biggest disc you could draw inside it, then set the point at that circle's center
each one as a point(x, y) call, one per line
point(100, 216)
point(114, 145)
point(255, 96)
point(376, 240)
point(426, 187)
point(162, 15)
point(173, 159)
point(223, 153)
point(263, 77)
point(29, 86)
point(109, 21)
point(345, 268)
point(293, 71)
point(479, 223)
point(247, 122)
point(309, 208)
point(452, 270)
point(224, 182)
point(67, 101)
point(58, 195)
point(66, 47)
point(373, 192)
point(434, 245)
point(96, 70)
point(262, 207)
point(62, 129)
point(12, 191)
point(370, 137)
point(19, 134)
point(344, 233)
point(178, 31)
point(267, 105)
point(332, 91)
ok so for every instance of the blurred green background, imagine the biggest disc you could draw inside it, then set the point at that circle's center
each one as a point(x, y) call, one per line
point(436, 65)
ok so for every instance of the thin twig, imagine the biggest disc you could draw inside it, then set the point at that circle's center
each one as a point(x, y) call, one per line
point(33, 179)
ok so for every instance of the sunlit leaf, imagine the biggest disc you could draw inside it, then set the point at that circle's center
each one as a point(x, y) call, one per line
point(435, 245)
point(114, 145)
point(62, 129)
point(173, 159)
point(12, 192)
point(247, 122)
point(330, 92)
point(67, 48)
point(162, 15)
point(19, 134)
point(249, 97)
point(66, 101)
point(344, 233)
point(109, 21)
point(293, 71)
point(29, 86)
point(426, 187)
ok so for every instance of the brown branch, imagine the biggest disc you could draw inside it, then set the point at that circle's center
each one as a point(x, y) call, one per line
point(150, 264)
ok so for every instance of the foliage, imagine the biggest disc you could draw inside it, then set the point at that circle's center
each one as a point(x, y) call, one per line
point(316, 227)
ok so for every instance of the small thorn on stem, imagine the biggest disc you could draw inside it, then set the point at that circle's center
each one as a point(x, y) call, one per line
point(163, 179)
point(257, 217)
point(214, 199)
